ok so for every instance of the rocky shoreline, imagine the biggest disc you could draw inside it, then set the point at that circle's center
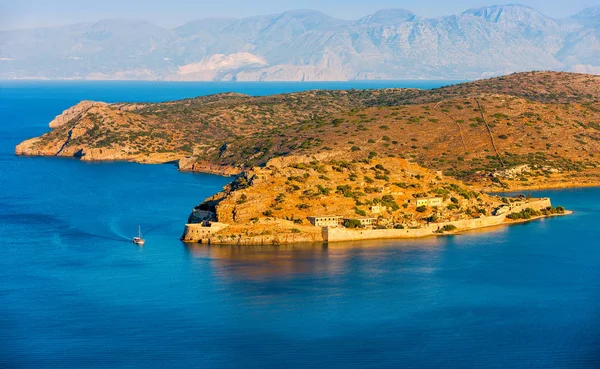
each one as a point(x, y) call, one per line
point(216, 233)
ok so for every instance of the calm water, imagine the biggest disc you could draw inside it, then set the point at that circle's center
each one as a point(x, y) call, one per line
point(75, 293)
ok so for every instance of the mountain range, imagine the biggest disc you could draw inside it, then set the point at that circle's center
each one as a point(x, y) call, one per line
point(303, 45)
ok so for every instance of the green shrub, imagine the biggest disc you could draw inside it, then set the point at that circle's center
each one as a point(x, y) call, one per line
point(353, 223)
point(524, 214)
point(242, 199)
point(447, 228)
point(360, 212)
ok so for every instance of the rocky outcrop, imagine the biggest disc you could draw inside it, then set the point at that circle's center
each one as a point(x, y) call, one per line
point(74, 112)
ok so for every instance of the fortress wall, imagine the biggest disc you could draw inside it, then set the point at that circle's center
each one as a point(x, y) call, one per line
point(344, 234)
point(213, 235)
point(196, 233)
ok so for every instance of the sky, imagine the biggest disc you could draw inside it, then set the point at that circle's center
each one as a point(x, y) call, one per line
point(172, 13)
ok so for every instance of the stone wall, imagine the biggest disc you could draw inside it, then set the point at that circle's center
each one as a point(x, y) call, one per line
point(217, 234)
point(344, 234)
point(196, 232)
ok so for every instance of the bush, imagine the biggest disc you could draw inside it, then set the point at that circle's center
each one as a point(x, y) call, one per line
point(242, 199)
point(360, 212)
point(447, 228)
point(551, 211)
point(432, 219)
point(295, 230)
point(524, 214)
point(422, 209)
point(353, 223)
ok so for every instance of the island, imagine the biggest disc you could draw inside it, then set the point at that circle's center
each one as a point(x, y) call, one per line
point(327, 166)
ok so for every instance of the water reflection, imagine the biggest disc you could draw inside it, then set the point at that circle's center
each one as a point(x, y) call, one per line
point(284, 262)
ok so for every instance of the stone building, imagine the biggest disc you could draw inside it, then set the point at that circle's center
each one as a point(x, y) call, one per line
point(433, 201)
point(325, 221)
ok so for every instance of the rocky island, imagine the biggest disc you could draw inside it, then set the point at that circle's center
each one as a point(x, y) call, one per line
point(357, 164)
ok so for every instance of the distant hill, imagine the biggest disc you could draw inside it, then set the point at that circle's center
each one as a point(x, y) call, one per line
point(308, 45)
point(526, 130)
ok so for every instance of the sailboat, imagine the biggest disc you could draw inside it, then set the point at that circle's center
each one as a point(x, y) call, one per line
point(139, 240)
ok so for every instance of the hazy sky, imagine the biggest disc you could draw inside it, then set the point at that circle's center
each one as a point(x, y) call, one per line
point(171, 13)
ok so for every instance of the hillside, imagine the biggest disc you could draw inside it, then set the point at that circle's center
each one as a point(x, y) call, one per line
point(306, 45)
point(553, 87)
point(318, 200)
point(528, 130)
point(225, 132)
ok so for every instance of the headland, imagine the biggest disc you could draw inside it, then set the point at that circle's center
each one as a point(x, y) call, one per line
point(358, 164)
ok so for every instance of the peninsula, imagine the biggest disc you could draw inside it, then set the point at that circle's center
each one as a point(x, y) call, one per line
point(357, 164)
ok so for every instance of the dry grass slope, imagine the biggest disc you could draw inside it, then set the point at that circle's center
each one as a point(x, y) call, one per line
point(528, 130)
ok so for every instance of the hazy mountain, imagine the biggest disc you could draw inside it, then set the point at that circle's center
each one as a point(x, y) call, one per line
point(309, 45)
point(589, 17)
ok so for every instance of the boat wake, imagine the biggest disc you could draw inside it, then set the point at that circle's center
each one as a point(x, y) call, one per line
point(79, 233)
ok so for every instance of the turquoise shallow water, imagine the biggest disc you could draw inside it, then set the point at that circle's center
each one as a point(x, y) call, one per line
point(75, 293)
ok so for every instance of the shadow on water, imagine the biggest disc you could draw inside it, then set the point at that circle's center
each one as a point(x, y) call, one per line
point(270, 262)
point(260, 262)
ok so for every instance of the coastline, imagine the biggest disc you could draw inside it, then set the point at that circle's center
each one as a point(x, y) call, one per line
point(279, 185)
point(310, 237)
point(184, 164)
point(217, 234)
point(265, 241)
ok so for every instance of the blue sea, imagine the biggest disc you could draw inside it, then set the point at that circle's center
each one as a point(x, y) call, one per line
point(76, 293)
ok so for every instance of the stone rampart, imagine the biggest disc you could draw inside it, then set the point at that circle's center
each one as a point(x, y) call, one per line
point(344, 234)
